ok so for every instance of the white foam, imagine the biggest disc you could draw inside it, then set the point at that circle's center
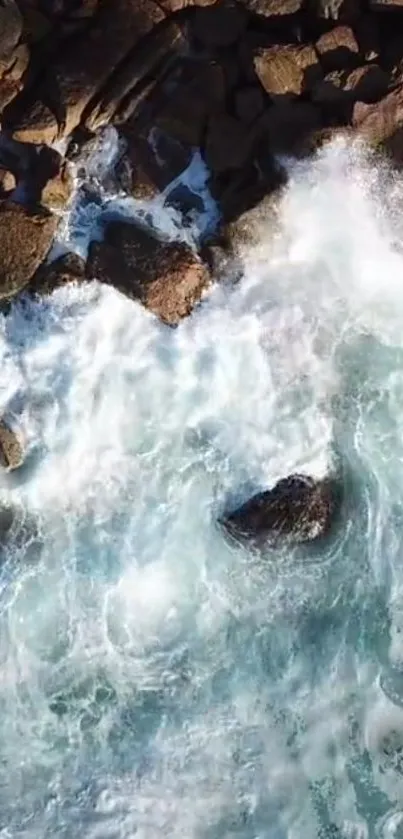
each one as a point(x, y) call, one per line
point(156, 681)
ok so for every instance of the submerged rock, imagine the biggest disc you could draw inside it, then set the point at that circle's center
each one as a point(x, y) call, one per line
point(11, 450)
point(298, 509)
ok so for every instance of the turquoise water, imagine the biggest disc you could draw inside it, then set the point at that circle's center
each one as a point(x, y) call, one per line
point(157, 681)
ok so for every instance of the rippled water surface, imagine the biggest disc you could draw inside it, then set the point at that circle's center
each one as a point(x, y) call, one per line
point(156, 681)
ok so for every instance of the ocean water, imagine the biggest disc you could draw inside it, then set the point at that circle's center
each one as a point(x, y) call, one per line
point(157, 682)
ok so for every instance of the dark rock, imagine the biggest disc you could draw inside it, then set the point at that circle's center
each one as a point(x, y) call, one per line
point(166, 277)
point(386, 5)
point(338, 49)
point(289, 127)
point(75, 77)
point(367, 84)
point(25, 239)
point(219, 25)
point(287, 70)
point(249, 103)
point(338, 91)
point(150, 162)
point(11, 449)
point(228, 145)
point(185, 113)
point(68, 268)
point(298, 509)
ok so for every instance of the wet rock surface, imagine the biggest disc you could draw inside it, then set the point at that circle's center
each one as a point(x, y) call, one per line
point(298, 509)
point(168, 278)
point(11, 447)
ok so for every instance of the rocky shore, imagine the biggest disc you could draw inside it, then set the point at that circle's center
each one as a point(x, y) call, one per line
point(242, 81)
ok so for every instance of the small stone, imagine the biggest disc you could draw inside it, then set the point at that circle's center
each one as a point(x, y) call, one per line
point(11, 450)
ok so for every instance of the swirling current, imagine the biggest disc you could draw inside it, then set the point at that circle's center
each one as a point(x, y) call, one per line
point(155, 680)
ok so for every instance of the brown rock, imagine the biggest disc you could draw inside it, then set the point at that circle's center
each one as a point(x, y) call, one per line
point(287, 70)
point(7, 181)
point(68, 268)
point(298, 509)
point(171, 6)
point(338, 49)
point(25, 239)
point(11, 24)
point(84, 66)
point(273, 8)
point(166, 277)
point(11, 450)
point(11, 79)
point(228, 145)
point(58, 190)
point(185, 114)
point(338, 91)
point(380, 121)
point(37, 125)
point(219, 25)
point(385, 5)
point(249, 103)
point(150, 163)
point(142, 72)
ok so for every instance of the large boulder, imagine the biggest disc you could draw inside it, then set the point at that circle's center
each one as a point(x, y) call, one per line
point(166, 277)
point(378, 122)
point(25, 239)
point(298, 509)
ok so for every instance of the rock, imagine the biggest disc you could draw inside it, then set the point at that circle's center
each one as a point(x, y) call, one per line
point(84, 66)
point(11, 23)
point(25, 239)
point(58, 190)
point(379, 121)
point(68, 268)
point(198, 96)
point(228, 144)
point(11, 449)
point(367, 84)
point(338, 49)
point(7, 181)
point(166, 277)
point(287, 70)
point(249, 103)
point(338, 91)
point(11, 74)
point(298, 509)
point(37, 124)
point(385, 5)
point(150, 162)
point(220, 25)
point(289, 127)
point(273, 8)
point(146, 68)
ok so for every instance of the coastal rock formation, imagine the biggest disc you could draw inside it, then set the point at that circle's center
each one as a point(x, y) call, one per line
point(166, 277)
point(298, 509)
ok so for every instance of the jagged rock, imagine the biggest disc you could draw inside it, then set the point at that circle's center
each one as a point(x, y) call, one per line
point(185, 113)
point(11, 74)
point(75, 78)
point(166, 277)
point(25, 239)
point(380, 121)
point(249, 103)
point(298, 509)
point(37, 124)
point(228, 144)
point(127, 90)
point(68, 268)
point(150, 162)
point(11, 449)
point(219, 25)
point(287, 70)
point(338, 49)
